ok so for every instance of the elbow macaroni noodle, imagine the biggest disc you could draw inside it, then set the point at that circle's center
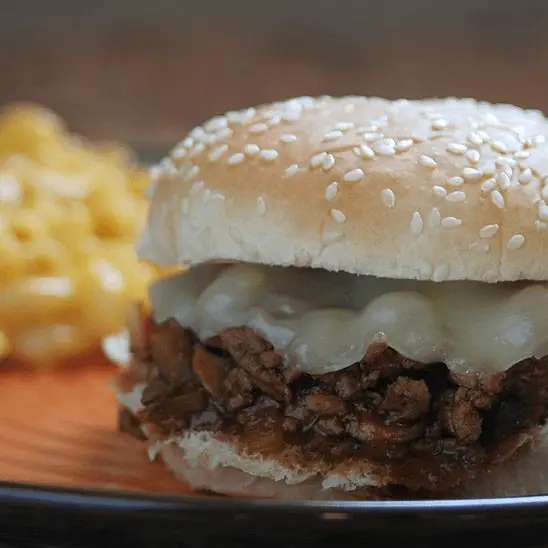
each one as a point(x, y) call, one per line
point(69, 215)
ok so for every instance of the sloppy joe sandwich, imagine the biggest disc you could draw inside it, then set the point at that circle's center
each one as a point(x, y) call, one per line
point(365, 307)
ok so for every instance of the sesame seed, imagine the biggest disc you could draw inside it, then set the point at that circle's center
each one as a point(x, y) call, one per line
point(196, 188)
point(216, 124)
point(328, 162)
point(455, 181)
point(417, 224)
point(338, 215)
point(504, 181)
point(168, 166)
point(440, 273)
point(388, 197)
point(274, 120)
point(439, 124)
point(472, 174)
point(488, 168)
point(488, 231)
point(384, 147)
point(178, 153)
point(354, 175)
point(456, 148)
point(293, 169)
point(349, 108)
point(457, 196)
point(288, 138)
point(331, 190)
point(498, 199)
point(216, 153)
point(544, 192)
point(258, 128)
point(475, 139)
point(344, 126)
point(541, 225)
point(233, 116)
point(291, 116)
point(223, 134)
point(404, 145)
point(197, 133)
point(192, 172)
point(543, 210)
point(427, 161)
point(451, 222)
point(508, 170)
point(247, 116)
point(235, 159)
point(439, 191)
point(261, 206)
point(522, 154)
point(317, 160)
point(210, 139)
point(269, 155)
point(488, 185)
point(371, 137)
point(525, 177)
point(505, 161)
point(473, 156)
point(499, 146)
point(251, 149)
point(196, 151)
point(363, 151)
point(188, 142)
point(434, 217)
point(517, 241)
point(332, 135)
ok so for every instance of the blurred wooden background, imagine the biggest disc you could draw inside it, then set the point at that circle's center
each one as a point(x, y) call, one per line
point(145, 70)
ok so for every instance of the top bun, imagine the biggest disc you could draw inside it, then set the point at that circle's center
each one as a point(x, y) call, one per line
point(443, 189)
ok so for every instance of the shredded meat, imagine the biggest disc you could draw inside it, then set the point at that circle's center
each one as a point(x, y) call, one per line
point(406, 399)
point(385, 407)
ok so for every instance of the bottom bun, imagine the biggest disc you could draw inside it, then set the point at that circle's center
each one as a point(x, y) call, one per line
point(207, 463)
point(526, 474)
point(203, 474)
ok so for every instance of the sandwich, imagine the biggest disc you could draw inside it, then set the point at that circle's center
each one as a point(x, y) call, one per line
point(362, 306)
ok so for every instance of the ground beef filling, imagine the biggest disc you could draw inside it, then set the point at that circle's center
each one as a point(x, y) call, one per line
point(430, 427)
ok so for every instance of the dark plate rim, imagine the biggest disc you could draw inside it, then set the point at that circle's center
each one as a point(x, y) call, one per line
point(77, 499)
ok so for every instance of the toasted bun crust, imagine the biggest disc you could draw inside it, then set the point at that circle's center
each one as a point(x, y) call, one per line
point(436, 190)
point(200, 464)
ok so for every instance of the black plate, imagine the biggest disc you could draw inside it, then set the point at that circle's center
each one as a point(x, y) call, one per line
point(43, 516)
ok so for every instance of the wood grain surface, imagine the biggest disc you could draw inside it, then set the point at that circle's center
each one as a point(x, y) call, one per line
point(60, 427)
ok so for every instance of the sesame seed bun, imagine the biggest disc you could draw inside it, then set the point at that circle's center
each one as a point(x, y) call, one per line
point(447, 189)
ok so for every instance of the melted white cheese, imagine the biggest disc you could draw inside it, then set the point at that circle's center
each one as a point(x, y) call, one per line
point(325, 321)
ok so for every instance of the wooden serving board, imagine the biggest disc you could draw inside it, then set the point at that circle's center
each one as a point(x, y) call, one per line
point(60, 427)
